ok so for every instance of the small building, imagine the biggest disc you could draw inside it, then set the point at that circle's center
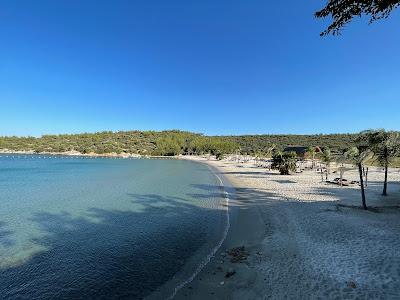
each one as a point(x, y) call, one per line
point(301, 151)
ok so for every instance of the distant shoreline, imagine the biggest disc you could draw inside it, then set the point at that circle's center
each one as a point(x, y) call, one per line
point(91, 154)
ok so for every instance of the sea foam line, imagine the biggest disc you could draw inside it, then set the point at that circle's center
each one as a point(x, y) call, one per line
point(207, 259)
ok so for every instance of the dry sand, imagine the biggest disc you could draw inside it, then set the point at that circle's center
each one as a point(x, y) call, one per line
point(300, 243)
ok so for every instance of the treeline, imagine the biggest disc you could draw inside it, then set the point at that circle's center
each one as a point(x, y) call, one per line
point(100, 143)
point(175, 143)
point(171, 142)
point(259, 143)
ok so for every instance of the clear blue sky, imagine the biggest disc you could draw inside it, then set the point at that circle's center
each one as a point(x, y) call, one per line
point(217, 67)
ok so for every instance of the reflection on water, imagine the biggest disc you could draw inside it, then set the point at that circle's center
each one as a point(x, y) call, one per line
point(103, 228)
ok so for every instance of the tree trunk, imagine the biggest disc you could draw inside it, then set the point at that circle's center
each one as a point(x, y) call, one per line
point(284, 170)
point(341, 177)
point(327, 171)
point(364, 204)
point(313, 161)
point(386, 178)
point(364, 171)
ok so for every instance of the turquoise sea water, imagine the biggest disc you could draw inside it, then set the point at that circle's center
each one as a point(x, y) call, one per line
point(84, 228)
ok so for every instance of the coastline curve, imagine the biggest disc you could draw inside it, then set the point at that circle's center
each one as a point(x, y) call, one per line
point(214, 250)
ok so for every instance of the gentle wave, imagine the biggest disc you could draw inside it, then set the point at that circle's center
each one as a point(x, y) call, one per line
point(207, 259)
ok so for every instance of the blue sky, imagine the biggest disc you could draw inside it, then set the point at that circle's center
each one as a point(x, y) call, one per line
point(217, 67)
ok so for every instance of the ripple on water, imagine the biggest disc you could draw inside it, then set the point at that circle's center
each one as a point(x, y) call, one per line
point(107, 229)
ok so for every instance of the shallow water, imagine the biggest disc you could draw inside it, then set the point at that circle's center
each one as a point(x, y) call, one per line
point(102, 228)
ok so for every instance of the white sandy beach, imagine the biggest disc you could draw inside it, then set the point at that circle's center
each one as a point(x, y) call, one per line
point(300, 243)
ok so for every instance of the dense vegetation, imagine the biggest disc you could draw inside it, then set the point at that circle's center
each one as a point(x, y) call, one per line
point(374, 146)
point(284, 161)
point(171, 142)
point(379, 146)
point(260, 143)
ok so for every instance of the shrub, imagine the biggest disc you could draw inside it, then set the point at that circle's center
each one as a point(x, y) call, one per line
point(284, 162)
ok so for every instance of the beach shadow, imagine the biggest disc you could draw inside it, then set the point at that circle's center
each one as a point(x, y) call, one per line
point(317, 249)
point(350, 196)
point(110, 254)
point(238, 197)
point(315, 241)
point(284, 181)
point(261, 172)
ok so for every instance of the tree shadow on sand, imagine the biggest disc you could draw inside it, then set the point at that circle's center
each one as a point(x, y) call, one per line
point(264, 172)
point(351, 197)
point(315, 250)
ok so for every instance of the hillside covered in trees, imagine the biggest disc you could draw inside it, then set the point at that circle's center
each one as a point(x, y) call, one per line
point(170, 142)
point(258, 143)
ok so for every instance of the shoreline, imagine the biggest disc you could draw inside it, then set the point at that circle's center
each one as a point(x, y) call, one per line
point(224, 184)
point(91, 155)
point(208, 280)
point(303, 238)
point(213, 234)
point(198, 261)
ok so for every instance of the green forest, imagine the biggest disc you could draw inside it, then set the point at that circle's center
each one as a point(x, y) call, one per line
point(259, 143)
point(171, 142)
